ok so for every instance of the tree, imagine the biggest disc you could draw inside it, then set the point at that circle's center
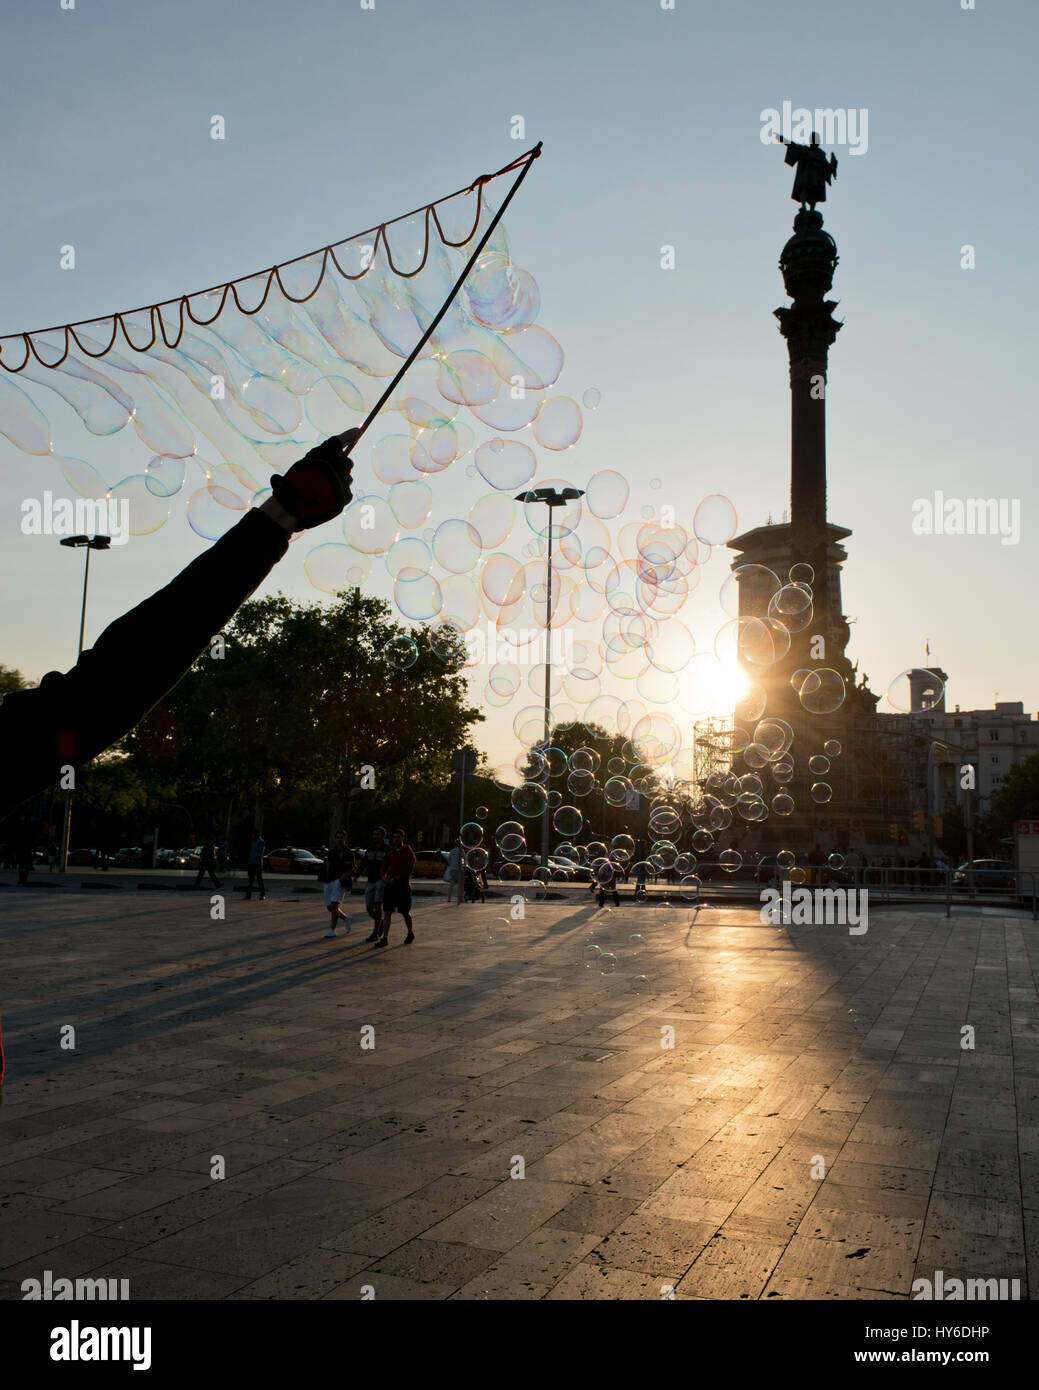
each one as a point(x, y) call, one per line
point(311, 703)
point(1017, 796)
point(11, 679)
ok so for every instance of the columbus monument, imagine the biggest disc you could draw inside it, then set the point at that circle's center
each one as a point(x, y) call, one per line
point(789, 578)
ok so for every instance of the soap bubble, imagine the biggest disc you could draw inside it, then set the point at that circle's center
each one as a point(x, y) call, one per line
point(568, 820)
point(471, 835)
point(819, 764)
point(730, 860)
point(558, 423)
point(399, 653)
point(821, 691)
point(821, 792)
point(499, 930)
point(832, 747)
point(591, 398)
point(607, 493)
point(785, 859)
point(916, 690)
point(835, 860)
point(714, 520)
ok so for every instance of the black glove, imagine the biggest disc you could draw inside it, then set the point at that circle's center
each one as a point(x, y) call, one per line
point(317, 488)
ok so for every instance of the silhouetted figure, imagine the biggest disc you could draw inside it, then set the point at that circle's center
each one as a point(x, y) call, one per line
point(207, 863)
point(69, 719)
point(254, 868)
point(814, 171)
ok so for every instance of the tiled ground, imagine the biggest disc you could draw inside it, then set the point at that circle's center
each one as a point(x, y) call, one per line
point(815, 1131)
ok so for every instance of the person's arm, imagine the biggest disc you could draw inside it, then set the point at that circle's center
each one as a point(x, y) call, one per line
point(69, 719)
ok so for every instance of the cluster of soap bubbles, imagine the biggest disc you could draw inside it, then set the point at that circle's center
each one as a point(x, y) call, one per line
point(242, 394)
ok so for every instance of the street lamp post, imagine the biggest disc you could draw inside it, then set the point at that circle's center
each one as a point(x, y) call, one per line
point(551, 498)
point(88, 543)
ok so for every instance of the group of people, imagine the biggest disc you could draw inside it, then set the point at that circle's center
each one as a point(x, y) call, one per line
point(386, 870)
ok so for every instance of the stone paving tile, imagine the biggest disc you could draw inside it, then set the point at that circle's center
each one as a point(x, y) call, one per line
point(648, 1169)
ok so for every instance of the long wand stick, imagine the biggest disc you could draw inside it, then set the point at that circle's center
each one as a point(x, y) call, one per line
point(356, 434)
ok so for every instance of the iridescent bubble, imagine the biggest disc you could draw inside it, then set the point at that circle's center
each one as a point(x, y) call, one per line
point(145, 513)
point(819, 764)
point(802, 574)
point(786, 859)
point(399, 653)
point(821, 792)
point(916, 691)
point(480, 813)
point(477, 859)
point(506, 464)
point(568, 820)
point(417, 595)
point(607, 962)
point(730, 860)
point(329, 566)
point(618, 790)
point(411, 503)
point(499, 930)
point(163, 476)
point(607, 493)
point(471, 835)
point(591, 956)
point(21, 419)
point(508, 829)
point(832, 747)
point(558, 423)
point(369, 525)
point(782, 804)
point(835, 860)
point(714, 520)
point(457, 546)
point(822, 691)
point(622, 848)
point(592, 398)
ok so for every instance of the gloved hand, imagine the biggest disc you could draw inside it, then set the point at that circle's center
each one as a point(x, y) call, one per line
point(317, 488)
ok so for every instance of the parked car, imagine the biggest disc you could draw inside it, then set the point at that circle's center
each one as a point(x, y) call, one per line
point(130, 858)
point(430, 863)
point(83, 858)
point(990, 875)
point(292, 861)
point(529, 862)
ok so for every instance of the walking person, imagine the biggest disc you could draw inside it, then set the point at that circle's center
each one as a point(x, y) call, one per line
point(609, 885)
point(222, 853)
point(400, 863)
point(207, 863)
point(453, 872)
point(373, 861)
point(254, 868)
point(338, 878)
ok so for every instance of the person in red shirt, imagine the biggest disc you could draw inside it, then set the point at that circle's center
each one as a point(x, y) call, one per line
point(400, 863)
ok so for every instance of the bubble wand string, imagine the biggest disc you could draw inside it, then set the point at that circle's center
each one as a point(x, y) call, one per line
point(352, 436)
point(229, 289)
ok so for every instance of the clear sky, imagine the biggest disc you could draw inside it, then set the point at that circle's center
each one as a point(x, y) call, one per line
point(338, 118)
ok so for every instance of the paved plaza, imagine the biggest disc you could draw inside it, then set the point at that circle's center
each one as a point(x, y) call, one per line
point(703, 1105)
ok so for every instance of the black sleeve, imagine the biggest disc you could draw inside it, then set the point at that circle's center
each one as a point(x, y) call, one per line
point(69, 719)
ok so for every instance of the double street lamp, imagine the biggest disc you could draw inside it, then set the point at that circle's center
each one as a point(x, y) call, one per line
point(78, 543)
point(551, 497)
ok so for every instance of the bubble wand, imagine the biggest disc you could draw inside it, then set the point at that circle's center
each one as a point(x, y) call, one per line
point(350, 437)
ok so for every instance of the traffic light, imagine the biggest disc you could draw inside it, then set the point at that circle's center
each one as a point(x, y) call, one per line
point(919, 821)
point(893, 831)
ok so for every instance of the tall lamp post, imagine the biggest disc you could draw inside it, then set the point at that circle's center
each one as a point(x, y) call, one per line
point(88, 543)
point(551, 497)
